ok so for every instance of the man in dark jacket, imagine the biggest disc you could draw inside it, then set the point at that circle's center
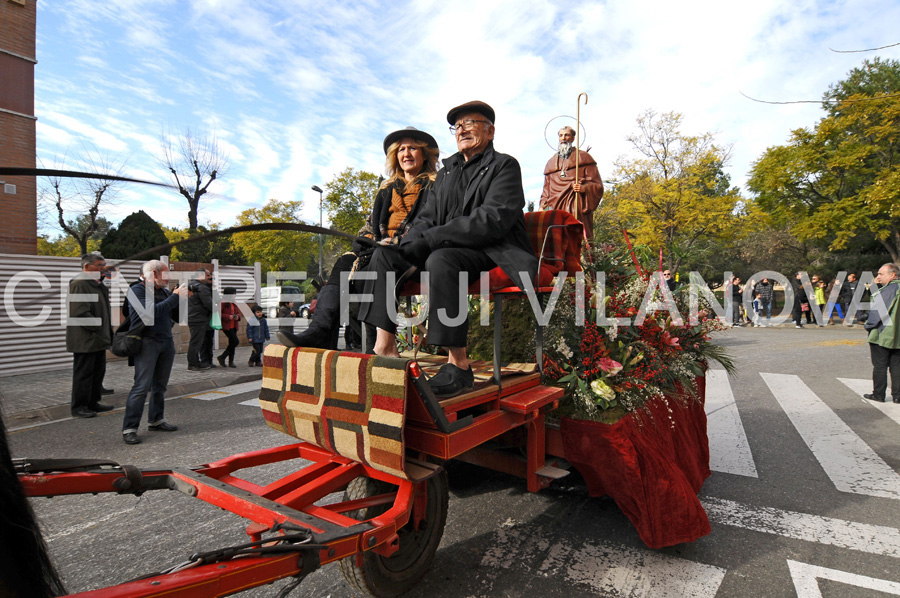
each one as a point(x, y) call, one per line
point(153, 364)
point(200, 306)
point(472, 223)
point(88, 334)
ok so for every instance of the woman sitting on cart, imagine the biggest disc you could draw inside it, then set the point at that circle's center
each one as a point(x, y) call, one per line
point(411, 164)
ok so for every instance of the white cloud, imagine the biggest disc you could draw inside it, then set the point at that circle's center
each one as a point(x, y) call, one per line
point(297, 91)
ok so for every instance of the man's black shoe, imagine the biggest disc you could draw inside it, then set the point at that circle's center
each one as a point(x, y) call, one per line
point(198, 368)
point(221, 360)
point(897, 399)
point(162, 427)
point(131, 438)
point(872, 397)
point(106, 391)
point(83, 412)
point(451, 381)
point(101, 408)
point(210, 365)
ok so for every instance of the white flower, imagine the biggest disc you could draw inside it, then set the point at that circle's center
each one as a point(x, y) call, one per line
point(603, 390)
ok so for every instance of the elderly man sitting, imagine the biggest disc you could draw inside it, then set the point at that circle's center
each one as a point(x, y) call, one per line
point(472, 223)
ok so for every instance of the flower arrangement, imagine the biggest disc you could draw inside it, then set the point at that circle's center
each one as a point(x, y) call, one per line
point(645, 346)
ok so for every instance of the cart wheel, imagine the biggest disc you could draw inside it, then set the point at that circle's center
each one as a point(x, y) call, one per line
point(385, 577)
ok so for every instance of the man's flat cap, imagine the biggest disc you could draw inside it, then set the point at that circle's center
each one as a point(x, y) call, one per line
point(475, 106)
point(412, 133)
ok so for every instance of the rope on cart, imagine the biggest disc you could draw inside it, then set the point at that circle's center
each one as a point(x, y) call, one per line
point(300, 541)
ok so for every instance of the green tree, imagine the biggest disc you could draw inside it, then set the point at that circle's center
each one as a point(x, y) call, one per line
point(82, 223)
point(674, 196)
point(841, 179)
point(64, 246)
point(136, 233)
point(275, 250)
point(348, 201)
point(220, 247)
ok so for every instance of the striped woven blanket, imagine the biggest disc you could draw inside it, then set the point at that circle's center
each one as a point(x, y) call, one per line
point(353, 405)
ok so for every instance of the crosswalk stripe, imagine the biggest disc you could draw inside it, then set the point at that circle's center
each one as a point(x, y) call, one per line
point(850, 463)
point(208, 395)
point(226, 391)
point(861, 387)
point(607, 568)
point(616, 570)
point(863, 537)
point(806, 576)
point(729, 451)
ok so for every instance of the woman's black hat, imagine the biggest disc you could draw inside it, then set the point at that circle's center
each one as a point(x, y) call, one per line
point(412, 133)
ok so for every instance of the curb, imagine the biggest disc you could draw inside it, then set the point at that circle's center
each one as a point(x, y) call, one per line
point(26, 419)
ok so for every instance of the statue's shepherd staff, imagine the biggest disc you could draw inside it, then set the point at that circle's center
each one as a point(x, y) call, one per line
point(577, 155)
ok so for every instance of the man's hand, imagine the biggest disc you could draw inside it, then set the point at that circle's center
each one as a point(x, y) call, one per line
point(181, 290)
point(415, 252)
point(578, 187)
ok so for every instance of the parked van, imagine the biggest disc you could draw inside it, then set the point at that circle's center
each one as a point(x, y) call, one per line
point(270, 297)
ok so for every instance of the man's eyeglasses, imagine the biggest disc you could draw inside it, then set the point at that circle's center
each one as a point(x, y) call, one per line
point(465, 125)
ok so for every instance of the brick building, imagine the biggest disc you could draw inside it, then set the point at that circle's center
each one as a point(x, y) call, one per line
point(18, 195)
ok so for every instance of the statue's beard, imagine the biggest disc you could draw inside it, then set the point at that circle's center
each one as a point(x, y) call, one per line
point(565, 149)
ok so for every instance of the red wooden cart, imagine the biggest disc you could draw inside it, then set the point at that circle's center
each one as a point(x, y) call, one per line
point(385, 531)
point(370, 428)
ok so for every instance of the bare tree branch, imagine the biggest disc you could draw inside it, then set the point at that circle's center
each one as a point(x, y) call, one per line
point(81, 198)
point(197, 157)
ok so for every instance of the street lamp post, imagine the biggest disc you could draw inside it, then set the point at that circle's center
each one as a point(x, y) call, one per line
point(317, 188)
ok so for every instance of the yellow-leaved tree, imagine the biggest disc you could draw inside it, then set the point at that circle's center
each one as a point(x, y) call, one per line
point(278, 251)
point(674, 195)
point(839, 182)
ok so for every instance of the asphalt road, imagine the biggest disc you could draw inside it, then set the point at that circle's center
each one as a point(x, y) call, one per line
point(802, 500)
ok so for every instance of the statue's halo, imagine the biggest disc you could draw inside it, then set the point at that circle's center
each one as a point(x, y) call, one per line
point(555, 145)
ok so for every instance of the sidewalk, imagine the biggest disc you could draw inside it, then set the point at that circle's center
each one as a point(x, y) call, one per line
point(45, 396)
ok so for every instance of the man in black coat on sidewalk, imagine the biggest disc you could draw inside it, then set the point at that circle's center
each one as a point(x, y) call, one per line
point(472, 222)
point(88, 334)
point(200, 306)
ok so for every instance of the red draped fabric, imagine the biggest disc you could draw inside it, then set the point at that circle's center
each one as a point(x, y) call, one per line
point(652, 464)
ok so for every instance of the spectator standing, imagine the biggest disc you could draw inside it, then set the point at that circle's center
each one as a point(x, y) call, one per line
point(153, 364)
point(849, 290)
point(884, 335)
point(286, 309)
point(801, 302)
point(258, 334)
point(819, 290)
point(89, 336)
point(832, 307)
point(231, 315)
point(764, 292)
point(736, 299)
point(200, 306)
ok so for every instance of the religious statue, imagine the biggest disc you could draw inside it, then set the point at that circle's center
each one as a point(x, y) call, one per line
point(561, 188)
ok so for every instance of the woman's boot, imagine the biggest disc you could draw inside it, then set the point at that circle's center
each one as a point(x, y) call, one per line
point(323, 329)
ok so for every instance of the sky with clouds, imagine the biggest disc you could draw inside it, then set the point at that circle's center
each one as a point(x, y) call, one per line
point(296, 91)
